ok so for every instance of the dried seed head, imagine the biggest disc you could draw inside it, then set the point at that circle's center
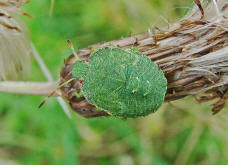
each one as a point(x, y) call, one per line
point(191, 52)
point(15, 48)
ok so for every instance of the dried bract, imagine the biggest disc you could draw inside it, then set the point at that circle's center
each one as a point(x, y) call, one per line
point(15, 49)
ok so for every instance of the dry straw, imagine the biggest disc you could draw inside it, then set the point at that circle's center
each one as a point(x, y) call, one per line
point(192, 53)
point(15, 49)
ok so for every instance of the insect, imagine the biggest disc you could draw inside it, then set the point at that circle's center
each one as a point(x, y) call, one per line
point(123, 83)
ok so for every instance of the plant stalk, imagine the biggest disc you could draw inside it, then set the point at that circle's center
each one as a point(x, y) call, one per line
point(28, 88)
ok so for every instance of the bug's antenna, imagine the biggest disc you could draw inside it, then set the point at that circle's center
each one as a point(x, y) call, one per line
point(73, 50)
point(54, 92)
point(44, 101)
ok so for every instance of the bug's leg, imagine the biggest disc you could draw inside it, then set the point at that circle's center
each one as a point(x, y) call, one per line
point(148, 88)
point(135, 90)
point(79, 95)
point(54, 92)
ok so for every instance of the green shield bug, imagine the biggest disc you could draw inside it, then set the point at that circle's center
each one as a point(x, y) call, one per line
point(118, 82)
point(123, 83)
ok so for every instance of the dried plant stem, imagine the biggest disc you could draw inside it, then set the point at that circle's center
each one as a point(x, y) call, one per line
point(30, 88)
point(48, 76)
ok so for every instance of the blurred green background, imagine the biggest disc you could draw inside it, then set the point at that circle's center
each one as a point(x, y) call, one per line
point(181, 132)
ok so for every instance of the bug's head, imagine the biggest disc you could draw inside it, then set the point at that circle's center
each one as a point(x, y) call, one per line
point(80, 69)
